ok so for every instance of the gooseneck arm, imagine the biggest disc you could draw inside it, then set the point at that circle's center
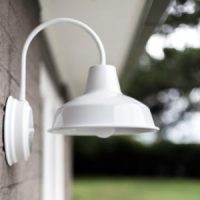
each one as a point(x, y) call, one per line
point(43, 26)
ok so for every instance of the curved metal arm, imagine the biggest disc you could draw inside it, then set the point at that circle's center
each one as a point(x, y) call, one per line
point(43, 26)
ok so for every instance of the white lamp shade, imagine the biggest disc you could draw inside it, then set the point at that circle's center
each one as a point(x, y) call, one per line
point(103, 110)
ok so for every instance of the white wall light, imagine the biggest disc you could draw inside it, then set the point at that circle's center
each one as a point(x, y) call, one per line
point(102, 111)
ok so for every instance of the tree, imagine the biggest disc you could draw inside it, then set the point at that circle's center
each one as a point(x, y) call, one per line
point(160, 82)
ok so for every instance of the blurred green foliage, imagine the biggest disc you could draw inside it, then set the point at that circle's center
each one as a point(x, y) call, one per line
point(121, 156)
point(138, 189)
point(183, 12)
point(178, 72)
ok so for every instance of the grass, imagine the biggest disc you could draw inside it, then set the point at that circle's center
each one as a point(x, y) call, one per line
point(136, 189)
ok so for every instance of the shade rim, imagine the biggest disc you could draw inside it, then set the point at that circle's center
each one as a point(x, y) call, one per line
point(54, 130)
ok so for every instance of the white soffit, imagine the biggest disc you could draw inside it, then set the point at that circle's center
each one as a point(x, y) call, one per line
point(115, 21)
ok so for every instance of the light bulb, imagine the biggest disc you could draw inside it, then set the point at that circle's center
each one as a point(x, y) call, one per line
point(104, 132)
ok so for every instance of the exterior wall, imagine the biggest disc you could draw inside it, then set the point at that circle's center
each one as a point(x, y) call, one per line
point(17, 18)
point(56, 173)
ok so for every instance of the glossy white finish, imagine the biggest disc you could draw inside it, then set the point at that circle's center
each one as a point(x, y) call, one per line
point(103, 110)
point(102, 78)
point(44, 25)
point(18, 130)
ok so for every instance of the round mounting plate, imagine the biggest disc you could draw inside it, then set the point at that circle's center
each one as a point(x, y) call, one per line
point(18, 130)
